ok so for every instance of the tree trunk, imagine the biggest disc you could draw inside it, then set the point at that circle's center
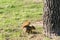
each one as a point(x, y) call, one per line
point(51, 17)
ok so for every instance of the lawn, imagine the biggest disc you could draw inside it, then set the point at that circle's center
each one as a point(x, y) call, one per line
point(14, 12)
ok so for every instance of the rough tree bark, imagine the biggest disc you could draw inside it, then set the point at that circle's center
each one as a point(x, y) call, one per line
point(51, 17)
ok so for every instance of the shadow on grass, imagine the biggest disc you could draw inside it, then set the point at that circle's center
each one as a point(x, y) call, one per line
point(34, 32)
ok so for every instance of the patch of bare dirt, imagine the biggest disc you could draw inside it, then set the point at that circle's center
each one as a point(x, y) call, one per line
point(38, 23)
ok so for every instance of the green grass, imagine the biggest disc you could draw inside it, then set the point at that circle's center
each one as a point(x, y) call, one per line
point(14, 12)
point(46, 38)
